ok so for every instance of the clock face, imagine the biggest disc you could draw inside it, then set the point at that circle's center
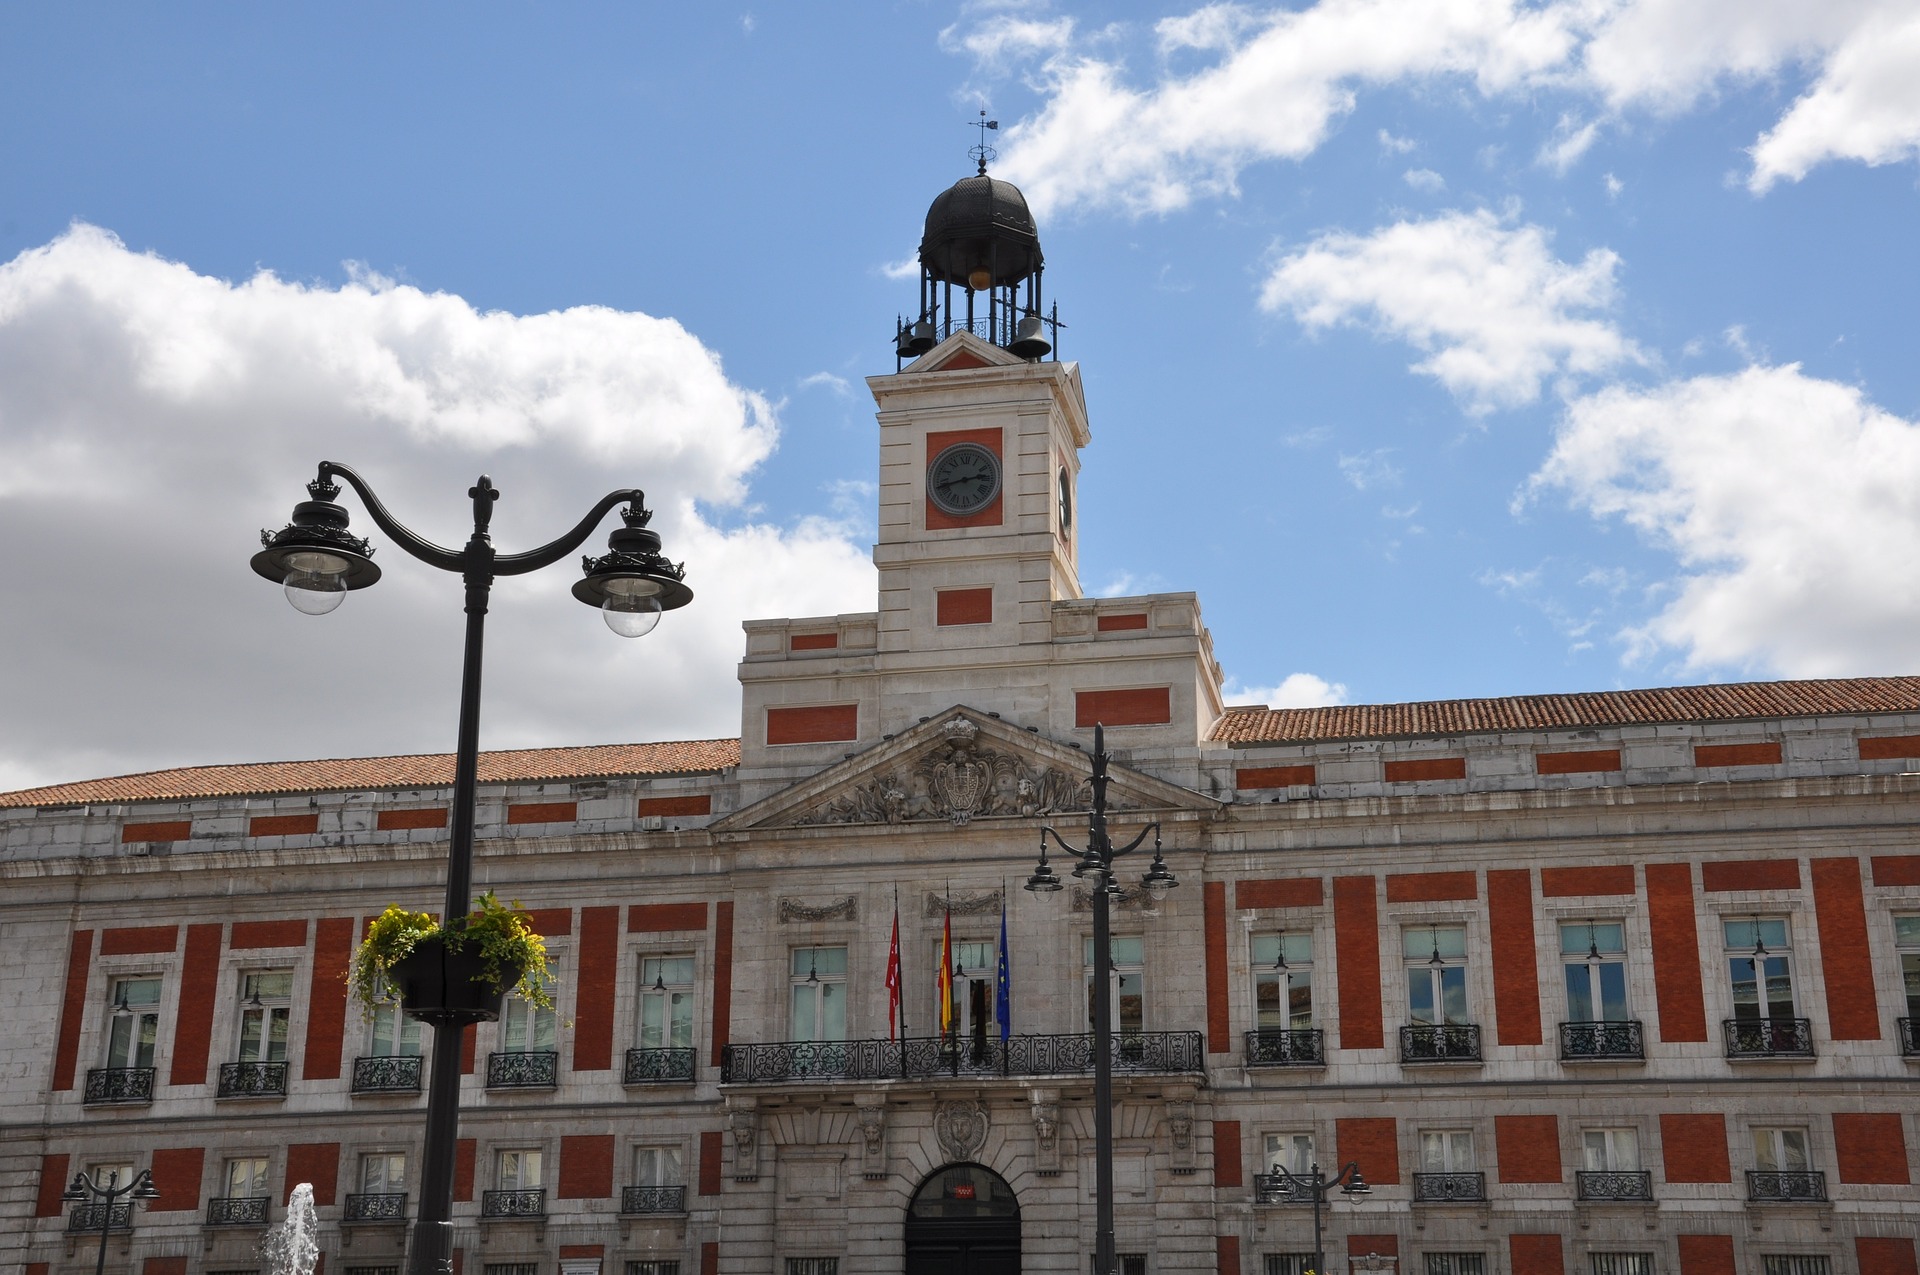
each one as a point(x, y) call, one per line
point(1066, 502)
point(963, 479)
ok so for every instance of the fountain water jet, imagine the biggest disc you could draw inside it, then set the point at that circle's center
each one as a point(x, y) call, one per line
point(293, 1247)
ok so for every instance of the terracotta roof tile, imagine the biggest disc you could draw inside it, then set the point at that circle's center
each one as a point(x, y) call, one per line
point(525, 765)
point(1732, 701)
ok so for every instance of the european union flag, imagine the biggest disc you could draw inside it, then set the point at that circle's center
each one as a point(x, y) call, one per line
point(1003, 983)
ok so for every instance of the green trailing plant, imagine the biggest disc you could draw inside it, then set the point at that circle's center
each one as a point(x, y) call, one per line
point(501, 933)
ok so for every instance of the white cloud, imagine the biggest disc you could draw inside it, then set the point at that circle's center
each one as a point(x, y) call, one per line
point(1296, 690)
point(1496, 311)
point(1424, 179)
point(1002, 39)
point(827, 380)
point(1370, 470)
point(1791, 505)
point(1613, 186)
point(907, 267)
point(1214, 27)
point(152, 420)
point(1396, 145)
point(1571, 139)
point(1865, 106)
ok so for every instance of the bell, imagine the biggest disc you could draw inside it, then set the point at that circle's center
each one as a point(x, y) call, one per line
point(903, 344)
point(922, 338)
point(1029, 341)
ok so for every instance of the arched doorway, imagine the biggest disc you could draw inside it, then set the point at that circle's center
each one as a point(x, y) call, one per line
point(964, 1220)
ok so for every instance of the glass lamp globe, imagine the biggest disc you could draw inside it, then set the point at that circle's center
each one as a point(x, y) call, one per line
point(632, 605)
point(316, 583)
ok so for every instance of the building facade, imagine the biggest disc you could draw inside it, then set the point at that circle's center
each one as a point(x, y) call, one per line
point(1617, 983)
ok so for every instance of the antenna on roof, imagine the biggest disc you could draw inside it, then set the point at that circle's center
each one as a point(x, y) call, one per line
point(983, 152)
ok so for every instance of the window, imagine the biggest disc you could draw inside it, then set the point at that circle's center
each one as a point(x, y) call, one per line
point(1436, 975)
point(1795, 1264)
point(1128, 989)
point(976, 964)
point(813, 1266)
point(1758, 967)
point(526, 1028)
point(383, 1173)
point(373, 1270)
point(653, 1268)
point(1446, 1151)
point(245, 1178)
point(1290, 1151)
point(1781, 1151)
point(513, 1268)
point(111, 1172)
point(266, 1007)
point(393, 1034)
point(1611, 1150)
point(1622, 1264)
point(517, 1170)
point(1594, 959)
point(818, 978)
point(133, 1025)
point(1283, 982)
point(1123, 1263)
point(1906, 937)
point(1286, 1264)
point(1456, 1264)
point(666, 1002)
point(657, 1166)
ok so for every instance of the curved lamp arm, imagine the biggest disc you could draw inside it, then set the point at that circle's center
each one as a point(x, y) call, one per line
point(419, 546)
point(514, 564)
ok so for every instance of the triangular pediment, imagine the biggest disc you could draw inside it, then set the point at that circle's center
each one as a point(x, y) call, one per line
point(962, 350)
point(955, 768)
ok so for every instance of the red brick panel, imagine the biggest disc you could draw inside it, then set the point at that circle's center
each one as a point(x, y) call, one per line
point(1413, 769)
point(699, 803)
point(253, 934)
point(1694, 1147)
point(468, 1046)
point(1528, 1148)
point(463, 1158)
point(1750, 874)
point(1840, 909)
point(662, 918)
point(543, 812)
point(193, 1024)
point(1896, 869)
point(586, 1166)
point(1431, 887)
point(1707, 1255)
point(549, 922)
point(283, 825)
point(139, 940)
point(327, 998)
point(1356, 955)
point(1372, 1143)
point(710, 1250)
point(1890, 747)
point(176, 1172)
point(814, 642)
point(402, 820)
point(1121, 623)
point(813, 724)
point(1253, 778)
point(1574, 883)
point(1535, 1254)
point(315, 1162)
point(599, 966)
point(1360, 1246)
point(1676, 952)
point(53, 1182)
point(709, 1167)
point(722, 977)
point(1226, 1254)
point(963, 606)
point(1737, 754)
point(1587, 761)
point(167, 830)
point(1226, 1153)
point(937, 442)
point(1885, 1255)
point(1295, 892)
point(66, 1049)
point(1145, 706)
point(1871, 1147)
point(1213, 896)
point(164, 1266)
point(1516, 966)
point(38, 1268)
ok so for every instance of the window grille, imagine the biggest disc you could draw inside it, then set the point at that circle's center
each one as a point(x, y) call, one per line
point(248, 1271)
point(1123, 1263)
point(1456, 1264)
point(372, 1270)
point(1287, 1264)
point(1623, 1264)
point(513, 1268)
point(653, 1268)
point(1796, 1264)
point(813, 1266)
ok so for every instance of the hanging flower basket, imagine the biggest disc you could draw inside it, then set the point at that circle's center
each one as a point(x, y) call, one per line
point(455, 974)
point(439, 983)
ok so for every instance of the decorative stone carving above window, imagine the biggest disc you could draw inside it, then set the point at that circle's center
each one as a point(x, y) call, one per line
point(987, 903)
point(846, 909)
point(1132, 898)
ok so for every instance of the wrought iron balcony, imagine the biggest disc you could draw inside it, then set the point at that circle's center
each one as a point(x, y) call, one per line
point(89, 1217)
point(377, 1206)
point(1440, 1043)
point(653, 1199)
point(1601, 1041)
point(1613, 1184)
point(1287, 1047)
point(1797, 1186)
point(1909, 1038)
point(659, 1067)
point(539, 1070)
point(118, 1084)
point(1446, 1188)
point(1278, 1188)
point(1769, 1037)
point(252, 1080)
point(931, 1057)
point(396, 1073)
point(497, 1204)
point(237, 1210)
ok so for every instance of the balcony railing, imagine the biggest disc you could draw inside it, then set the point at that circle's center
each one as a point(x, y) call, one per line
point(930, 1057)
point(1613, 1184)
point(659, 1066)
point(1601, 1042)
point(396, 1073)
point(1909, 1038)
point(523, 1070)
point(1289, 1047)
point(252, 1080)
point(653, 1199)
point(89, 1217)
point(1278, 1188)
point(377, 1206)
point(1437, 1042)
point(119, 1084)
point(1769, 1037)
point(1443, 1188)
point(531, 1203)
point(1773, 1186)
point(237, 1210)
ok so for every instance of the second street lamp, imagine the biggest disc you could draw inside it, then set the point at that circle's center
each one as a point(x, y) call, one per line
point(318, 561)
point(1283, 1187)
point(86, 1191)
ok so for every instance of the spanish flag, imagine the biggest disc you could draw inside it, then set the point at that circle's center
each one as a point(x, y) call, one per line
point(946, 975)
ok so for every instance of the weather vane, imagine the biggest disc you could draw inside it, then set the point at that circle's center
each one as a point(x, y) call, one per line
point(983, 152)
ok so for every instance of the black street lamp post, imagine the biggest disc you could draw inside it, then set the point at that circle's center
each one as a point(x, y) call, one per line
point(1096, 866)
point(1318, 1185)
point(85, 1189)
point(320, 561)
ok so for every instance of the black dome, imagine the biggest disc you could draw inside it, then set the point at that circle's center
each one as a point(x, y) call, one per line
point(980, 224)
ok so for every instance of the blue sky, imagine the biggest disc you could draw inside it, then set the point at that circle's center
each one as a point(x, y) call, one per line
point(1449, 348)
